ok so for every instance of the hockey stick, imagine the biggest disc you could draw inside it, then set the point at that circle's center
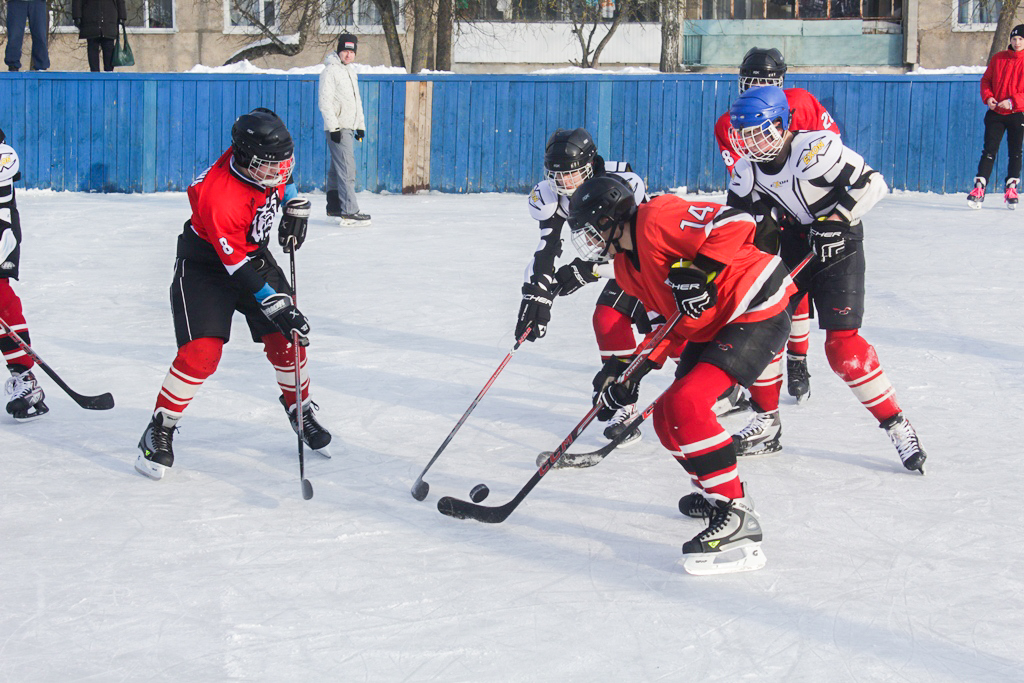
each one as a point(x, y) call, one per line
point(462, 509)
point(591, 458)
point(420, 488)
point(307, 488)
point(101, 402)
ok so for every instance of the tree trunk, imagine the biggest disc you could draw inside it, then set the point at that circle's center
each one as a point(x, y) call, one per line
point(445, 28)
point(390, 27)
point(671, 36)
point(424, 26)
point(1007, 17)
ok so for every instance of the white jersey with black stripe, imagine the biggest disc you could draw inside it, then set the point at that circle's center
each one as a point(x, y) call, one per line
point(821, 176)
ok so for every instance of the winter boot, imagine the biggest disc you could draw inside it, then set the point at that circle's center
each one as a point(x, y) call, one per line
point(798, 379)
point(157, 447)
point(904, 438)
point(977, 195)
point(1010, 196)
point(24, 396)
point(333, 204)
point(313, 433)
point(358, 219)
point(621, 421)
point(733, 526)
point(760, 436)
point(732, 401)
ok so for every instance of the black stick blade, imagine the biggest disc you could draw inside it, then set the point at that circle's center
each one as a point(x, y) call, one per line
point(101, 402)
point(420, 489)
point(463, 509)
point(307, 489)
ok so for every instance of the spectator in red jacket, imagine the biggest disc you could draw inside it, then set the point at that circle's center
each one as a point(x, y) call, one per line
point(1002, 90)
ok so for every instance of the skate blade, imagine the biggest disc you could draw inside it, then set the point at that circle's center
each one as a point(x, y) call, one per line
point(153, 470)
point(348, 222)
point(803, 398)
point(746, 558)
point(974, 205)
point(762, 450)
point(325, 451)
point(1011, 207)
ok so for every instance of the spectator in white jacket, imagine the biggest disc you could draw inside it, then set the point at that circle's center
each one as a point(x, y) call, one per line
point(342, 109)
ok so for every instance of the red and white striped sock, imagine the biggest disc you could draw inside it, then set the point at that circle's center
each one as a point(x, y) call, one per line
point(857, 364)
point(195, 361)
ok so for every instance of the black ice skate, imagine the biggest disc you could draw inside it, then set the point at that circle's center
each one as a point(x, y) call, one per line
point(620, 422)
point(313, 433)
point(24, 397)
point(904, 438)
point(798, 379)
point(731, 543)
point(157, 448)
point(731, 402)
point(760, 436)
point(696, 506)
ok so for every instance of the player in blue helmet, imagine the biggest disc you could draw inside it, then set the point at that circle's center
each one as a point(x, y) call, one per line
point(826, 189)
point(759, 119)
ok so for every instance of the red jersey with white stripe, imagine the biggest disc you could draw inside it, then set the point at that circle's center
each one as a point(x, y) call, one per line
point(805, 113)
point(752, 286)
point(231, 212)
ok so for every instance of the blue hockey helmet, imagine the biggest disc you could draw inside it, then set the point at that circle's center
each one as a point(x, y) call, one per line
point(753, 116)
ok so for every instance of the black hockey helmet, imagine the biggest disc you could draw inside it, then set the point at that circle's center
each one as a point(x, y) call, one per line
point(762, 66)
point(569, 159)
point(595, 210)
point(263, 146)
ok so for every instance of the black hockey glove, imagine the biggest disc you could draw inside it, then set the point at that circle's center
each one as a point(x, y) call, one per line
point(359, 134)
point(614, 394)
point(280, 310)
point(693, 289)
point(335, 136)
point(293, 223)
point(828, 239)
point(534, 312)
point(574, 275)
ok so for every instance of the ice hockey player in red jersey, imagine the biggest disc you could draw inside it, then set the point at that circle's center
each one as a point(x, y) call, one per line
point(827, 188)
point(223, 265)
point(23, 395)
point(570, 158)
point(761, 67)
point(697, 258)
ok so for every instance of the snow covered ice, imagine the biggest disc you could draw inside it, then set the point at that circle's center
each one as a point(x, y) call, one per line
point(222, 572)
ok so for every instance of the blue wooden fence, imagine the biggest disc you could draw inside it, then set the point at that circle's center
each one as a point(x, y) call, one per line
point(156, 132)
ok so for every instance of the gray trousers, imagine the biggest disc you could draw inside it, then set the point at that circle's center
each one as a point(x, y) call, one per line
point(341, 175)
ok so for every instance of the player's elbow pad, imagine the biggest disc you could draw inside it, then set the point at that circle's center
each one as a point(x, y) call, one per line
point(249, 278)
point(862, 196)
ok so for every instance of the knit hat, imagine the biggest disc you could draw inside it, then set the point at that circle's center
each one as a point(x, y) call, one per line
point(347, 41)
point(1018, 30)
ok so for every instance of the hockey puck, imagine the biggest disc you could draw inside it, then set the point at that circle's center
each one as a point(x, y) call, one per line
point(479, 493)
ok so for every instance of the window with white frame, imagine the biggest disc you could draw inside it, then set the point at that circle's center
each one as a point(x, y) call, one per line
point(343, 15)
point(976, 15)
point(244, 16)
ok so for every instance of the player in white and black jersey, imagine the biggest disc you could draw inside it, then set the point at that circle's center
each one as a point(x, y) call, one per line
point(570, 158)
point(827, 188)
point(22, 393)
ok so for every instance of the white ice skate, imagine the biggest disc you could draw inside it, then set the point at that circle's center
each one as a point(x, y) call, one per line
point(760, 436)
point(620, 422)
point(730, 544)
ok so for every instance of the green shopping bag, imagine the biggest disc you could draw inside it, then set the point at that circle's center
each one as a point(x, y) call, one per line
point(123, 55)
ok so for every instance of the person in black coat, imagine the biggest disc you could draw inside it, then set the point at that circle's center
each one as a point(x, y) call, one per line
point(97, 22)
